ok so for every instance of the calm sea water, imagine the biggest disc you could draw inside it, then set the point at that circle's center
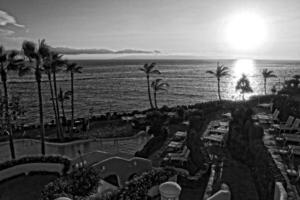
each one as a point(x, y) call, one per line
point(119, 85)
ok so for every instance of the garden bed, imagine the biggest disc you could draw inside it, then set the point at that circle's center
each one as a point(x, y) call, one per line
point(25, 187)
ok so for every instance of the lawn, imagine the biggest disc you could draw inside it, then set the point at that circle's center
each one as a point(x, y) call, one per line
point(25, 187)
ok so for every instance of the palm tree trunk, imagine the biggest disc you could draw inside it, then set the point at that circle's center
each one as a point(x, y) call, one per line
point(63, 109)
point(38, 80)
point(2, 113)
point(7, 117)
point(265, 85)
point(72, 103)
point(155, 99)
point(149, 93)
point(219, 92)
point(53, 104)
point(57, 107)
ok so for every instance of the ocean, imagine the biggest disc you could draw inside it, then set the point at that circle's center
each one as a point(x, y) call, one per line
point(119, 85)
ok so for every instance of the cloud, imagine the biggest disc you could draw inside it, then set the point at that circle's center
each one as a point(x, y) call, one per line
point(5, 32)
point(5, 19)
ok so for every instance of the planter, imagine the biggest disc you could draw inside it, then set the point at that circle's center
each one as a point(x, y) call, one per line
point(31, 167)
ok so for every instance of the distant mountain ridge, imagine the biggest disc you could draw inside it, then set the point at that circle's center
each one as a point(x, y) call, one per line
point(72, 51)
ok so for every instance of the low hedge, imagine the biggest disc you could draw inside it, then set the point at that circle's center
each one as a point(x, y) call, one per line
point(138, 188)
point(79, 184)
point(37, 159)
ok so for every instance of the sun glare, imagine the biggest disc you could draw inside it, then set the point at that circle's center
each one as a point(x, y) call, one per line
point(245, 31)
point(243, 66)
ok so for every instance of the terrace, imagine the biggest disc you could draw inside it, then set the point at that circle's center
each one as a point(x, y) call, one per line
point(195, 153)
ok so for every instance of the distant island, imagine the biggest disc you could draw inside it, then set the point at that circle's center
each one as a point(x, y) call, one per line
point(73, 51)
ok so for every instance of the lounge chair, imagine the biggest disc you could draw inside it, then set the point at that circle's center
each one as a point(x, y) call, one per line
point(294, 128)
point(178, 154)
point(268, 119)
point(266, 105)
point(182, 158)
point(288, 123)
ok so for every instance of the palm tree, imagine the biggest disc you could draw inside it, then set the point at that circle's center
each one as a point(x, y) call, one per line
point(220, 72)
point(48, 68)
point(9, 61)
point(157, 86)
point(243, 85)
point(62, 97)
point(36, 57)
point(56, 63)
point(267, 74)
point(149, 69)
point(72, 68)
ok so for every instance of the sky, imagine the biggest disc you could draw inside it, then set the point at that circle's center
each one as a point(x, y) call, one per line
point(174, 27)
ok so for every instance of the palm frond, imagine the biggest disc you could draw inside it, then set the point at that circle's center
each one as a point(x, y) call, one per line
point(156, 71)
point(29, 49)
point(23, 70)
point(78, 69)
point(210, 72)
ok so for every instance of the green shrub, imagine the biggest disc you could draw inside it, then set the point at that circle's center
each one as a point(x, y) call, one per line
point(80, 183)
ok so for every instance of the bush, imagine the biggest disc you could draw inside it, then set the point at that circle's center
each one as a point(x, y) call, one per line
point(79, 183)
point(137, 188)
point(37, 159)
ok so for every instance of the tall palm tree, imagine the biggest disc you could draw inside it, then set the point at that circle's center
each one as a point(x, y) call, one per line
point(9, 61)
point(267, 74)
point(48, 68)
point(56, 64)
point(157, 86)
point(36, 56)
point(149, 69)
point(243, 85)
point(220, 72)
point(73, 68)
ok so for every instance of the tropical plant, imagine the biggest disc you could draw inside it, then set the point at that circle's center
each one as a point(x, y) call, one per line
point(62, 97)
point(243, 85)
point(10, 61)
point(220, 72)
point(50, 67)
point(72, 68)
point(79, 183)
point(157, 86)
point(36, 56)
point(149, 69)
point(267, 74)
point(57, 63)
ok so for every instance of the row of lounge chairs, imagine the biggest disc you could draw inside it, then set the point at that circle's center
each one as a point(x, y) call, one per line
point(177, 152)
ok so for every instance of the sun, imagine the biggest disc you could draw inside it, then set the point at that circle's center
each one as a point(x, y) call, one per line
point(245, 31)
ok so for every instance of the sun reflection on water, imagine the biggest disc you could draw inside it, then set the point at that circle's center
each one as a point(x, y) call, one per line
point(240, 67)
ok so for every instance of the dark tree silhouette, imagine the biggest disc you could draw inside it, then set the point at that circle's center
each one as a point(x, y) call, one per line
point(72, 68)
point(148, 70)
point(220, 72)
point(10, 61)
point(36, 56)
point(267, 74)
point(157, 86)
point(243, 85)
